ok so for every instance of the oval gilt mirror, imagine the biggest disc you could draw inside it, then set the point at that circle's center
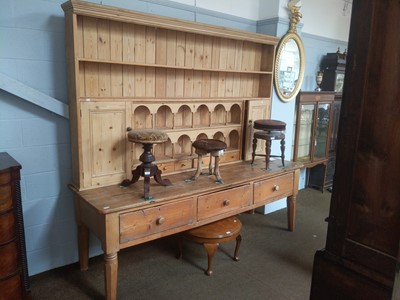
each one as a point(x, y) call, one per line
point(290, 59)
point(289, 67)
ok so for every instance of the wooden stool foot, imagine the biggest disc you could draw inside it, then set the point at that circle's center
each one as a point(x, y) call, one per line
point(211, 249)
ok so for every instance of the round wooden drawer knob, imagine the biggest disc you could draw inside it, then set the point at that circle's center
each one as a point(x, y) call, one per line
point(275, 188)
point(160, 220)
point(226, 202)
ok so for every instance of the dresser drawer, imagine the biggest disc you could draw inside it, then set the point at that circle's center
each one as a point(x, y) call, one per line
point(269, 190)
point(5, 197)
point(8, 259)
point(8, 227)
point(183, 164)
point(224, 201)
point(137, 224)
point(11, 287)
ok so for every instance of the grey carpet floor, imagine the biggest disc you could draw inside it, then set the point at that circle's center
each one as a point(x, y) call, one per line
point(274, 263)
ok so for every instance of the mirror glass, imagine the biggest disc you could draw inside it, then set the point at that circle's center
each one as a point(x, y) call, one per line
point(289, 67)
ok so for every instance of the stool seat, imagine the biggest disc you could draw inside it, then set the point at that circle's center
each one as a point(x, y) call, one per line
point(225, 228)
point(147, 136)
point(215, 148)
point(269, 125)
point(209, 145)
point(212, 234)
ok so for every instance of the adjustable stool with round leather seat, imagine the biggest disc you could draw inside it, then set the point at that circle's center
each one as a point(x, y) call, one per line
point(269, 130)
point(147, 169)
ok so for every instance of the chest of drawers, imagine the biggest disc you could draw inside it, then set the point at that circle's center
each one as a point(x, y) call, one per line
point(14, 283)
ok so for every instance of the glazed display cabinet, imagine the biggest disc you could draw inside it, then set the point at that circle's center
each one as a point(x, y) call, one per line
point(312, 128)
point(333, 66)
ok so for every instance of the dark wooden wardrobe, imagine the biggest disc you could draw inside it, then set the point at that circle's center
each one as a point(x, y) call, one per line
point(361, 258)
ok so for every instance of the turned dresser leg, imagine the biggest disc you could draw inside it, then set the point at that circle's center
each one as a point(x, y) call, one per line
point(111, 275)
point(83, 245)
point(291, 212)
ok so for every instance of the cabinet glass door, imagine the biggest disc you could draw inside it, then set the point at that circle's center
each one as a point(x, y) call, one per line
point(321, 131)
point(306, 122)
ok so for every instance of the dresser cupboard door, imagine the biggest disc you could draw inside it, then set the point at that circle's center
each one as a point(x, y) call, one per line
point(104, 143)
point(256, 110)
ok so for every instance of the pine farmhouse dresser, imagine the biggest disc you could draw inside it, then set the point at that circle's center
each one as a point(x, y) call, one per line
point(130, 70)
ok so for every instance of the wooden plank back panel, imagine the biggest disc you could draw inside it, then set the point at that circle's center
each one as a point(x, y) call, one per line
point(128, 42)
point(150, 59)
point(161, 58)
point(140, 57)
point(89, 37)
point(91, 80)
point(109, 80)
point(137, 44)
point(103, 39)
point(116, 41)
point(128, 81)
point(171, 45)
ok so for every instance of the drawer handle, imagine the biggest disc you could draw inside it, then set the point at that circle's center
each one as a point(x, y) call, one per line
point(160, 220)
point(226, 202)
point(275, 187)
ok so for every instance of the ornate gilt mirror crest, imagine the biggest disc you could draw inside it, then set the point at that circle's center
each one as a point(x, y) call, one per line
point(290, 59)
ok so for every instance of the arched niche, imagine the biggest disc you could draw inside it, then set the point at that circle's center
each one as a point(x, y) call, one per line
point(218, 116)
point(234, 141)
point(164, 117)
point(235, 114)
point(142, 118)
point(163, 151)
point(184, 117)
point(219, 136)
point(183, 146)
point(201, 117)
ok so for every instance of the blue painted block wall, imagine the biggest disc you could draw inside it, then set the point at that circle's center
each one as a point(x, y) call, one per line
point(32, 51)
